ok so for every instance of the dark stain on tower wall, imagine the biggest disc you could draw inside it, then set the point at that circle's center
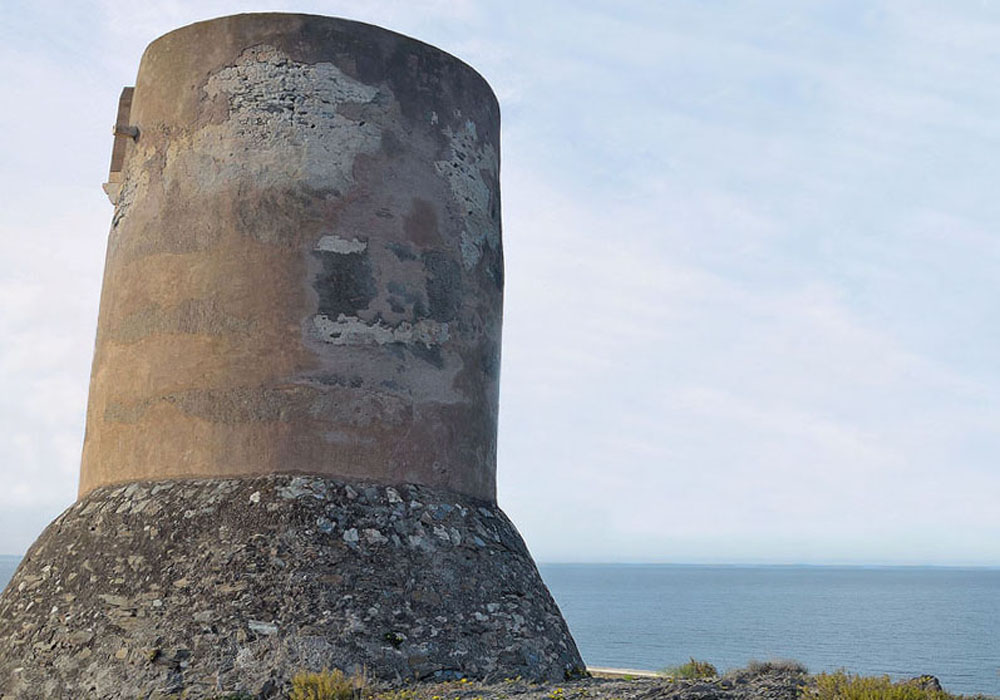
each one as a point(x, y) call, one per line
point(345, 283)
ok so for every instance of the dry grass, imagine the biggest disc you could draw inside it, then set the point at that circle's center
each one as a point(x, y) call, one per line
point(328, 685)
point(691, 670)
point(841, 685)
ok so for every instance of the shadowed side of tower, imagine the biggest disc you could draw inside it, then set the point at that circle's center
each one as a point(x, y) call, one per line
point(290, 453)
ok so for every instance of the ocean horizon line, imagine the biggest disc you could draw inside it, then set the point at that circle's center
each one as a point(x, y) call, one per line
point(773, 565)
point(735, 565)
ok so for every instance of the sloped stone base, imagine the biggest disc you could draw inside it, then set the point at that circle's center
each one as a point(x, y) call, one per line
point(209, 586)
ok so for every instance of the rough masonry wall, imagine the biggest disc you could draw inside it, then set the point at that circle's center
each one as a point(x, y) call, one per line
point(200, 588)
point(304, 270)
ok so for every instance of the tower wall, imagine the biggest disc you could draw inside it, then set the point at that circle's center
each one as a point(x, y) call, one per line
point(304, 270)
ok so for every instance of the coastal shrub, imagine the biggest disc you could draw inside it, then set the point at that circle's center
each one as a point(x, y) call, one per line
point(842, 685)
point(779, 665)
point(328, 685)
point(754, 669)
point(691, 670)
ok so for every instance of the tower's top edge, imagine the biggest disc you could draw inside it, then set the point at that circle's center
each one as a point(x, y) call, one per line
point(316, 37)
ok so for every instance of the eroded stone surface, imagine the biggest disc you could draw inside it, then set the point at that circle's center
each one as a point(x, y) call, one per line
point(472, 171)
point(287, 118)
point(204, 586)
point(304, 269)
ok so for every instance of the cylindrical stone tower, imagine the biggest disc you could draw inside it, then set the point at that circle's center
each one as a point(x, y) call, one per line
point(290, 452)
point(304, 272)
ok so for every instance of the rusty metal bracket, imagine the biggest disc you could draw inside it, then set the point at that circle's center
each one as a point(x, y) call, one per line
point(123, 130)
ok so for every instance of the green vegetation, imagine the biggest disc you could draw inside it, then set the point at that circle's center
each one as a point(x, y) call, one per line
point(842, 685)
point(691, 670)
point(774, 678)
point(329, 685)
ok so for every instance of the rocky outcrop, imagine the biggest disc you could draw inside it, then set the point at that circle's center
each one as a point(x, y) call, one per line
point(232, 585)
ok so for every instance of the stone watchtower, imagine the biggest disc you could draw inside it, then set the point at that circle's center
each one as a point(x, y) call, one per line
point(290, 453)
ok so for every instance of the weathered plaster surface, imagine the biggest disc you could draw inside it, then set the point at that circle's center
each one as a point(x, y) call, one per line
point(353, 331)
point(473, 173)
point(306, 244)
point(286, 119)
point(336, 244)
point(191, 316)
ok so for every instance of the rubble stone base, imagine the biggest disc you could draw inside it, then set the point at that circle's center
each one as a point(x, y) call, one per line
point(214, 586)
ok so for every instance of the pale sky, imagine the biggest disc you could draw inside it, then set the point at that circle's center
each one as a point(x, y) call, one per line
point(753, 266)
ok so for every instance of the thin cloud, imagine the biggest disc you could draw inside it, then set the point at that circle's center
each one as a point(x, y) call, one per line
point(751, 267)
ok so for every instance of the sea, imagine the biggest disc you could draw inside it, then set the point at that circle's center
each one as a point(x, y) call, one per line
point(900, 621)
